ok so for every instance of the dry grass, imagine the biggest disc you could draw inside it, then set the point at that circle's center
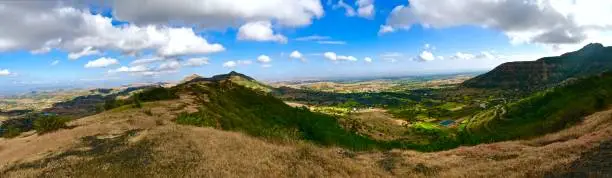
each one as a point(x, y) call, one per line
point(104, 145)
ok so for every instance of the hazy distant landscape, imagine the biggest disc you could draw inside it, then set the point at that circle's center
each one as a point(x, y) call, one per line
point(306, 88)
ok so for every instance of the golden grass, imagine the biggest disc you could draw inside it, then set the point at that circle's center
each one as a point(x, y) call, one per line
point(101, 145)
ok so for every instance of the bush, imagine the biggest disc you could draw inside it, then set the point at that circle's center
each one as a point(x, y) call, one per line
point(157, 94)
point(10, 132)
point(49, 123)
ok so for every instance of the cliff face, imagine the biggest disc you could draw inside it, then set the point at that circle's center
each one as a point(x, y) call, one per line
point(590, 60)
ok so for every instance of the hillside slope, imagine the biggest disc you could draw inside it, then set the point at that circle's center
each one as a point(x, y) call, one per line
point(591, 59)
point(127, 142)
point(543, 112)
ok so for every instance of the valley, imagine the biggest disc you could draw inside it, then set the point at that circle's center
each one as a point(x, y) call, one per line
point(233, 125)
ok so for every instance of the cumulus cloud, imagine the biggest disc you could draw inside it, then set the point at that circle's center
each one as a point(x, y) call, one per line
point(367, 59)
point(330, 55)
point(264, 59)
point(365, 8)
point(334, 57)
point(101, 62)
point(195, 62)
point(529, 21)
point(385, 29)
point(81, 33)
point(259, 31)
point(296, 55)
point(230, 64)
point(426, 56)
point(233, 64)
point(218, 13)
point(5, 72)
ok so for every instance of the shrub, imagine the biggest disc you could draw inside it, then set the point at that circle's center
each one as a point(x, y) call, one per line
point(46, 124)
point(157, 94)
point(10, 132)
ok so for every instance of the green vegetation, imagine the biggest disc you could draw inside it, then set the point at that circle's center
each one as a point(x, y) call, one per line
point(544, 112)
point(46, 124)
point(234, 107)
point(148, 95)
point(39, 122)
point(157, 94)
point(10, 131)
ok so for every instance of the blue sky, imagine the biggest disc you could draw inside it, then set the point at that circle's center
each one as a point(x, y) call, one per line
point(420, 37)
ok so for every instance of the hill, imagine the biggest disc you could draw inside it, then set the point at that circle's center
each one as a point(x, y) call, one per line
point(543, 112)
point(139, 142)
point(236, 78)
point(590, 60)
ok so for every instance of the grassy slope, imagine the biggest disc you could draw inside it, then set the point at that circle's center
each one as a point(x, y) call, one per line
point(543, 112)
point(233, 107)
point(128, 142)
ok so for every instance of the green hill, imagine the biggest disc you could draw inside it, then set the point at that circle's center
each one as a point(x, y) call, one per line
point(549, 71)
point(228, 106)
point(544, 112)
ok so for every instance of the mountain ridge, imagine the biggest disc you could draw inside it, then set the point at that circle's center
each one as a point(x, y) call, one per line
point(592, 59)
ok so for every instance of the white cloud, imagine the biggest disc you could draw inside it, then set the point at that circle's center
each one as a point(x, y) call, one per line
point(313, 38)
point(171, 65)
point(218, 13)
point(296, 55)
point(195, 62)
point(366, 8)
point(350, 11)
point(391, 54)
point(334, 57)
point(330, 55)
point(81, 33)
point(460, 55)
point(264, 59)
point(486, 55)
point(101, 62)
point(232, 64)
point(426, 56)
point(385, 29)
point(259, 31)
point(528, 21)
point(87, 51)
point(347, 58)
point(5, 72)
point(133, 69)
point(367, 59)
point(146, 60)
point(332, 42)
point(55, 62)
point(183, 41)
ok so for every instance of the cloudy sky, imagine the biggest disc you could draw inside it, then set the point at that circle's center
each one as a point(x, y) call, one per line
point(47, 43)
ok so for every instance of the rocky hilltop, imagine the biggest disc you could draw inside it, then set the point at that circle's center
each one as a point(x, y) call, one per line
point(591, 59)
